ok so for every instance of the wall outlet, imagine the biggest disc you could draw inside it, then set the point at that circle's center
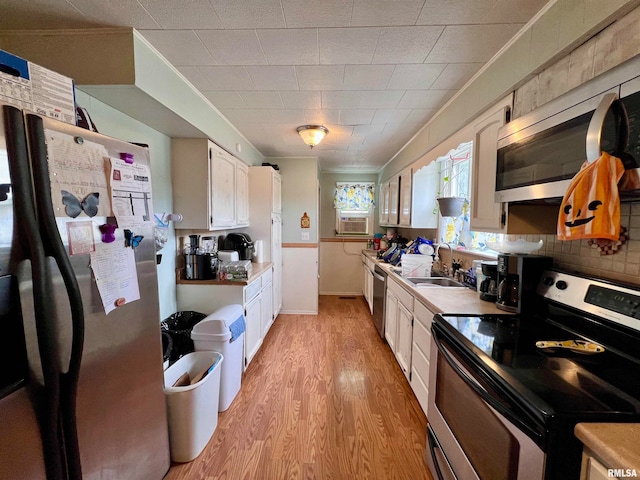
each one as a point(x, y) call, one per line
point(304, 235)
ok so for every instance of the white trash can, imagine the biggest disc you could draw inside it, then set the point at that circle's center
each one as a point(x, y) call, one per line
point(223, 331)
point(192, 409)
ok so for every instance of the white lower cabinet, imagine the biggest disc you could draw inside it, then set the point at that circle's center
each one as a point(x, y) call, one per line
point(253, 333)
point(367, 281)
point(391, 319)
point(255, 297)
point(405, 336)
point(267, 316)
point(408, 333)
point(420, 350)
point(398, 323)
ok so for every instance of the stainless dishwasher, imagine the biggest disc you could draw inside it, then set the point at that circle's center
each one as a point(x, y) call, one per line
point(379, 291)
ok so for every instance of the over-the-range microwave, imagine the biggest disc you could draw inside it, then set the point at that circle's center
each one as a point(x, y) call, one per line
point(540, 152)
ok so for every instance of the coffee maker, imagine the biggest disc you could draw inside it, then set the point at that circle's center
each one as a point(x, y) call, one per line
point(488, 287)
point(518, 277)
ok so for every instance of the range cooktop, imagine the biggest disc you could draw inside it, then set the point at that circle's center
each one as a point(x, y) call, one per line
point(552, 382)
point(598, 384)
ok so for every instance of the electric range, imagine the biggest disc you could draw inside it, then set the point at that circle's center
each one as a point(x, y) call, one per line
point(528, 399)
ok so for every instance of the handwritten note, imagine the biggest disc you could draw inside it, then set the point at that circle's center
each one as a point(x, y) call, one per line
point(78, 168)
point(114, 267)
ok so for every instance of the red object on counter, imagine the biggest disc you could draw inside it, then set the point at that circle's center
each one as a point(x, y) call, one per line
point(376, 244)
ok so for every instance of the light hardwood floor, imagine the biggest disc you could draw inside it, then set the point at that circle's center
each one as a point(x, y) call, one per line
point(323, 399)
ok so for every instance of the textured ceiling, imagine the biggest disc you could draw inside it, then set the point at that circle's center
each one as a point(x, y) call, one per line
point(372, 71)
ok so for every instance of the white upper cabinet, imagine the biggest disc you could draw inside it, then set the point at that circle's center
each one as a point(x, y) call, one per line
point(486, 214)
point(389, 201)
point(242, 194)
point(223, 187)
point(210, 186)
point(394, 193)
point(424, 208)
point(409, 199)
point(383, 209)
point(404, 209)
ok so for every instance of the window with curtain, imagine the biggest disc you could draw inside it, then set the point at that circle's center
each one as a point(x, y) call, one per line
point(455, 172)
point(354, 196)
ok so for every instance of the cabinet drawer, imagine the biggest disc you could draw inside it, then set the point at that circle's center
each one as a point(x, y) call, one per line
point(251, 290)
point(420, 379)
point(404, 297)
point(423, 315)
point(422, 338)
point(266, 277)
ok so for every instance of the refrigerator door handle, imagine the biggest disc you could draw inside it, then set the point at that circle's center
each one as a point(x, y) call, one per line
point(30, 247)
point(54, 248)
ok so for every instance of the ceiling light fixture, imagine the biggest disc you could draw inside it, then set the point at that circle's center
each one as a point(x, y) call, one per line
point(312, 135)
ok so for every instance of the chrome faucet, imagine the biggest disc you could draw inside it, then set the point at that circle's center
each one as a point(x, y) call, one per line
point(445, 268)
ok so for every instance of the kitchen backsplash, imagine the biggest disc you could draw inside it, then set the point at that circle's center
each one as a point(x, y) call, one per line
point(577, 255)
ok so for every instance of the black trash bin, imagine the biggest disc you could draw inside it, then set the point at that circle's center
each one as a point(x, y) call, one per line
point(178, 327)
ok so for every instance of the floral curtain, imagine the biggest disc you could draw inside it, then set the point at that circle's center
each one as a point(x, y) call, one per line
point(354, 196)
point(456, 231)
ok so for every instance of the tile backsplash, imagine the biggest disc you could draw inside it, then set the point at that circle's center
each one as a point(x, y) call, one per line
point(577, 255)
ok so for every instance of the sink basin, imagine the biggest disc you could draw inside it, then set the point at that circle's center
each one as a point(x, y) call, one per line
point(435, 281)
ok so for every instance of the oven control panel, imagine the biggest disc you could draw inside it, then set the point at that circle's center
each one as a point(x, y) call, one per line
point(617, 303)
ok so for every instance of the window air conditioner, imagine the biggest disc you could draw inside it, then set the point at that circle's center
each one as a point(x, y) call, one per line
point(353, 225)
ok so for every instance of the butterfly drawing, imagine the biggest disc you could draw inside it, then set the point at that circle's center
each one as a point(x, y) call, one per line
point(132, 240)
point(74, 206)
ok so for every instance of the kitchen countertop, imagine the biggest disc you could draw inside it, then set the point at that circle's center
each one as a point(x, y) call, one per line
point(441, 299)
point(257, 270)
point(617, 445)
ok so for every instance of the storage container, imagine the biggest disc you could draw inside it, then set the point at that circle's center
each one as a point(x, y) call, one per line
point(192, 409)
point(223, 331)
point(416, 265)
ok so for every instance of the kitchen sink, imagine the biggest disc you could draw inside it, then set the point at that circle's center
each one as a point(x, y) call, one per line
point(434, 281)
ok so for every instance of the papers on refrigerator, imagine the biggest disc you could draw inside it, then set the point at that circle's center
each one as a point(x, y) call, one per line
point(76, 168)
point(114, 268)
point(131, 194)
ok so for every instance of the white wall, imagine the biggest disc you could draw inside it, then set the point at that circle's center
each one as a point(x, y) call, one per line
point(341, 268)
point(300, 280)
point(118, 125)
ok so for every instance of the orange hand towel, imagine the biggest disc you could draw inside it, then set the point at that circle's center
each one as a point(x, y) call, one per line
point(591, 206)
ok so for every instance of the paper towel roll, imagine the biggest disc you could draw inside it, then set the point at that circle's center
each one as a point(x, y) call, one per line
point(259, 251)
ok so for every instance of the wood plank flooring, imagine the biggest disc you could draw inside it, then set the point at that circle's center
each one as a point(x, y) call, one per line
point(323, 399)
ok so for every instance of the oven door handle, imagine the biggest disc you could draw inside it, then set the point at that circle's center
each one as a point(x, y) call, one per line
point(433, 445)
point(484, 394)
point(379, 277)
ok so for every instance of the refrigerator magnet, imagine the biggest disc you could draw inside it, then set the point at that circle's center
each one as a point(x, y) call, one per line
point(107, 231)
point(127, 157)
point(73, 206)
point(131, 239)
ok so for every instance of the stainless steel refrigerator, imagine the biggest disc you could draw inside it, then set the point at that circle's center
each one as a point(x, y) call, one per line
point(81, 391)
